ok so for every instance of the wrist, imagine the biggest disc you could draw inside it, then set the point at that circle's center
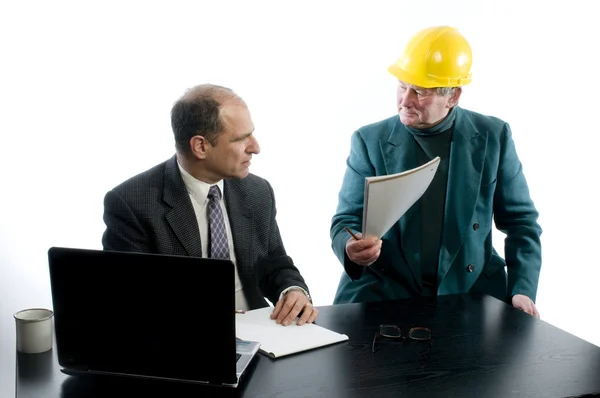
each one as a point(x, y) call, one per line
point(296, 288)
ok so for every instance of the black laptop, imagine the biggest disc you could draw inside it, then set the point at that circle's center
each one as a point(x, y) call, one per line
point(146, 315)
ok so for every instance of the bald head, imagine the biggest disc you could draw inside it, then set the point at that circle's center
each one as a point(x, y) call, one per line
point(219, 94)
point(198, 112)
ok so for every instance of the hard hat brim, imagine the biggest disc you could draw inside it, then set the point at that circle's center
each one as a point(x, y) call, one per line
point(426, 82)
point(406, 77)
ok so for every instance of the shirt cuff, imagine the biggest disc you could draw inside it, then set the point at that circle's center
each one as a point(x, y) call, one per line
point(295, 288)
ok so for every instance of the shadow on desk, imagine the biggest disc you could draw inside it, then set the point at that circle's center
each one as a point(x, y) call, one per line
point(35, 366)
point(482, 348)
point(36, 369)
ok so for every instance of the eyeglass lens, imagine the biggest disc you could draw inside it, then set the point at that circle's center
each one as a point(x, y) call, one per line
point(389, 331)
point(419, 334)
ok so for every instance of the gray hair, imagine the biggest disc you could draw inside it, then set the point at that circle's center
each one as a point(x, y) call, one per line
point(445, 91)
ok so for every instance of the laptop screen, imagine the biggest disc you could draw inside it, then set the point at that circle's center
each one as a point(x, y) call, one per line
point(144, 314)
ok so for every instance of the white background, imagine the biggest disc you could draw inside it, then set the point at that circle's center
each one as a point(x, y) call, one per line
point(86, 89)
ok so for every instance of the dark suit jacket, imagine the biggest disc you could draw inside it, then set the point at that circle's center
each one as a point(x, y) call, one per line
point(152, 212)
point(486, 185)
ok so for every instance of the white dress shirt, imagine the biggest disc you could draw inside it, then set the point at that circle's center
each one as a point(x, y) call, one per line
point(198, 191)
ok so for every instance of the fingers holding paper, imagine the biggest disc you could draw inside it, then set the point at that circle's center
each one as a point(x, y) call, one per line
point(363, 251)
point(294, 304)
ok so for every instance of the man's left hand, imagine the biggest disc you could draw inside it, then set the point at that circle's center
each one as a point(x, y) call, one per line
point(525, 304)
point(291, 305)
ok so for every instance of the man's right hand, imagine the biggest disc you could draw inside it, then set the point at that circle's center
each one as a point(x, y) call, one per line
point(363, 251)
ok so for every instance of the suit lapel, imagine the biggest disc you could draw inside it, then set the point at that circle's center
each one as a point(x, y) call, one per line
point(240, 220)
point(181, 217)
point(400, 153)
point(467, 156)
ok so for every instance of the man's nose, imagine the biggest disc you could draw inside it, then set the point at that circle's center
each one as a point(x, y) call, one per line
point(254, 147)
point(407, 97)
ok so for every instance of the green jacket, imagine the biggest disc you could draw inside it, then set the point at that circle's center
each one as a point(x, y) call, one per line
point(485, 181)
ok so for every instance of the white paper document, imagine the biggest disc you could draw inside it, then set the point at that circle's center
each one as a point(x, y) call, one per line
point(278, 340)
point(388, 197)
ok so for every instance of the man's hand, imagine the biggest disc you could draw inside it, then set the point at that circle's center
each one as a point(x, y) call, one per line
point(363, 251)
point(525, 304)
point(290, 306)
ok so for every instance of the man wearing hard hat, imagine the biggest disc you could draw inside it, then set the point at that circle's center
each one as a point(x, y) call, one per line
point(443, 243)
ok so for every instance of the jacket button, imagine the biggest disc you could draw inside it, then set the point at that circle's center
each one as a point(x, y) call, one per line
point(475, 226)
point(374, 287)
point(470, 268)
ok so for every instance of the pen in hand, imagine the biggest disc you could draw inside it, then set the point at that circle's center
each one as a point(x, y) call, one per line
point(352, 233)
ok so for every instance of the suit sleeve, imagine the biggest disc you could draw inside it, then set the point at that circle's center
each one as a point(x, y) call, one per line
point(515, 215)
point(349, 210)
point(277, 271)
point(123, 229)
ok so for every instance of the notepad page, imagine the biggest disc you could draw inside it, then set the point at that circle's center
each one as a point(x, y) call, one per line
point(277, 340)
point(388, 197)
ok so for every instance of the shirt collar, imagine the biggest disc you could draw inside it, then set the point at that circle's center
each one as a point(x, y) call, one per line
point(198, 189)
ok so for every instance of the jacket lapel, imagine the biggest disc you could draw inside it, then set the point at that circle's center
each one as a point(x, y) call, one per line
point(240, 220)
point(400, 153)
point(467, 156)
point(181, 217)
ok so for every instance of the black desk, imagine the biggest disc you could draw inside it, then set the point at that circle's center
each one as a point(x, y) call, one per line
point(482, 348)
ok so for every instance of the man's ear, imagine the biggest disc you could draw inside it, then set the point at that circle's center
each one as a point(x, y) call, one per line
point(198, 146)
point(454, 97)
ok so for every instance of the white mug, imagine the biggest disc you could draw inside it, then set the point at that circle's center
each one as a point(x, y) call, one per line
point(34, 330)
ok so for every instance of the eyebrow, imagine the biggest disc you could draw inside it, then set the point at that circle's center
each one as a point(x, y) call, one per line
point(415, 87)
point(243, 137)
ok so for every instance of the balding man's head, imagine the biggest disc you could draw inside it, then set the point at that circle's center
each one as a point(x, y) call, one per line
point(219, 93)
point(197, 112)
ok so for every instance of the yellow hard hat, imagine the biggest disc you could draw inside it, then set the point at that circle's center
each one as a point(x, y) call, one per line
point(435, 57)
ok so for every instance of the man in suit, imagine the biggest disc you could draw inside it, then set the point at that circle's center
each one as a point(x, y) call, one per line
point(203, 202)
point(443, 244)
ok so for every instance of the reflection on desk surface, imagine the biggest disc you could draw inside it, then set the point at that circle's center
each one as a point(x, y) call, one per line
point(482, 347)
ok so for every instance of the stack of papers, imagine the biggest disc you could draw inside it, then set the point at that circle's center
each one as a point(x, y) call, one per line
point(277, 340)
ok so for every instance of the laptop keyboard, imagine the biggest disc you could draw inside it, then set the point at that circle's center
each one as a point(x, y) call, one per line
point(237, 357)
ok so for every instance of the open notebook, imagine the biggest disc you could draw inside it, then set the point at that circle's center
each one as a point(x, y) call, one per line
point(277, 340)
